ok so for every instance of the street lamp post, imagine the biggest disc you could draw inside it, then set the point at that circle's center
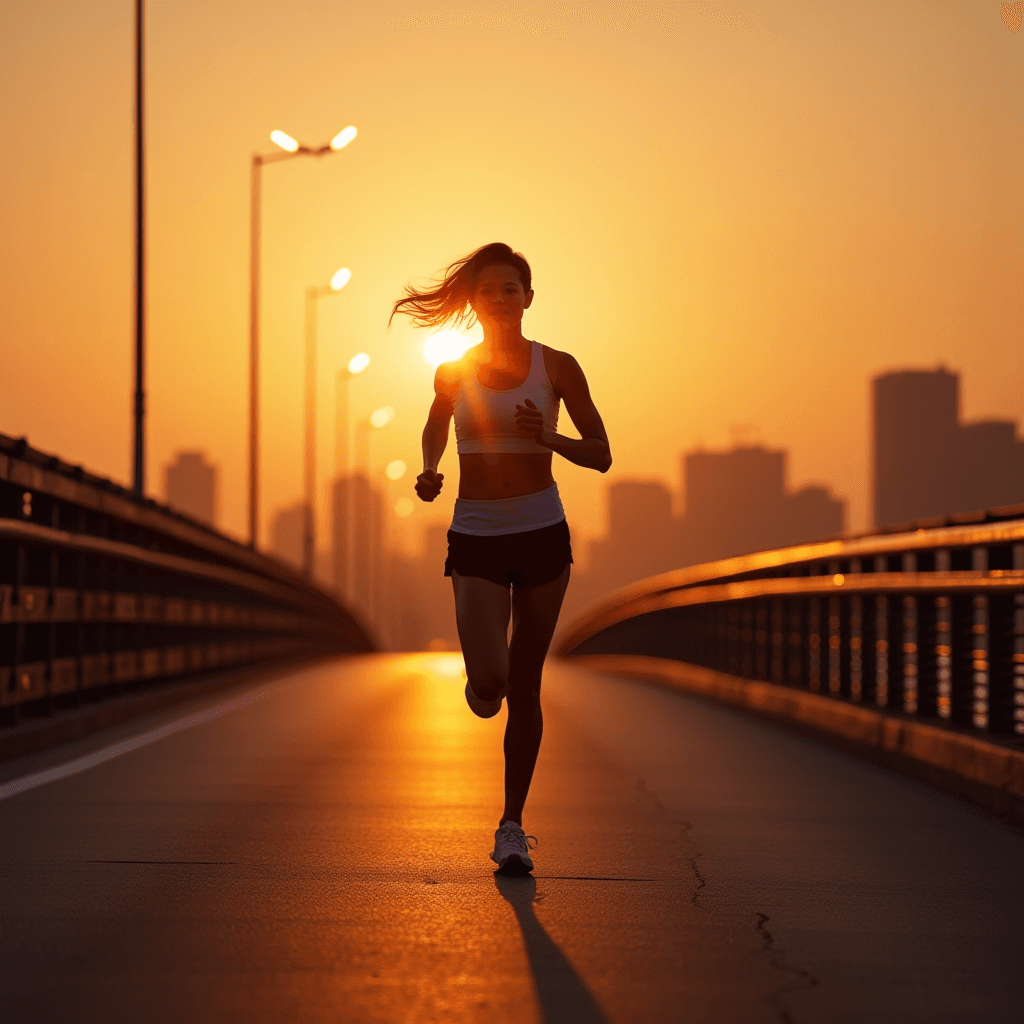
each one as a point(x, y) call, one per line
point(139, 443)
point(340, 279)
point(343, 485)
point(289, 148)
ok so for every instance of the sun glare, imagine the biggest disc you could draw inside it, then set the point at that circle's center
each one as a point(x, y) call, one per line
point(446, 346)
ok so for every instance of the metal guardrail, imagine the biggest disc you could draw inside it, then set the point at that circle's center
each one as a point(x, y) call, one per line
point(101, 591)
point(926, 620)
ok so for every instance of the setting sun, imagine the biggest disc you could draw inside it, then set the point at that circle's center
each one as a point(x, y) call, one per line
point(446, 346)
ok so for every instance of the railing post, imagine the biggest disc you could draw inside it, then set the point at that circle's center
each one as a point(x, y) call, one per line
point(735, 647)
point(690, 632)
point(844, 635)
point(747, 640)
point(857, 604)
point(761, 626)
point(778, 638)
point(895, 657)
point(1003, 614)
point(910, 658)
point(814, 642)
point(869, 650)
point(961, 667)
point(721, 648)
point(927, 656)
point(703, 636)
point(796, 642)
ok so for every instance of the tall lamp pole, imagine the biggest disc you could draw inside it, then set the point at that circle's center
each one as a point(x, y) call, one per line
point(139, 452)
point(343, 485)
point(340, 279)
point(289, 148)
point(1012, 15)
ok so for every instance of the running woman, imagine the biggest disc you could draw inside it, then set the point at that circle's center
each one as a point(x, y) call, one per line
point(508, 546)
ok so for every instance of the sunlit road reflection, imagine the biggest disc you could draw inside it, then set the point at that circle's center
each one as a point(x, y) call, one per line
point(319, 853)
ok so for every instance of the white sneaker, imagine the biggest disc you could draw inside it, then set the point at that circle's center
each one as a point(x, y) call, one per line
point(512, 849)
point(482, 708)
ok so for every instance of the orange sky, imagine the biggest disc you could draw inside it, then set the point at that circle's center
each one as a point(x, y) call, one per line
point(736, 214)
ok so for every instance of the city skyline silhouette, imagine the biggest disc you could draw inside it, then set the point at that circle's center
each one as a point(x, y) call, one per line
point(758, 208)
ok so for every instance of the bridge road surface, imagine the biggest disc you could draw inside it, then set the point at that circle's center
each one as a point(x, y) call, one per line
point(319, 853)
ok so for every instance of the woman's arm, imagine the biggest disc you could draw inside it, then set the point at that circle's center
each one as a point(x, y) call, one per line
point(435, 435)
point(591, 450)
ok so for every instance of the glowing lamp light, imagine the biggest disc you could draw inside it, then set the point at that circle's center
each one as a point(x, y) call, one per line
point(358, 363)
point(344, 137)
point(382, 417)
point(446, 347)
point(404, 507)
point(395, 470)
point(341, 278)
point(284, 140)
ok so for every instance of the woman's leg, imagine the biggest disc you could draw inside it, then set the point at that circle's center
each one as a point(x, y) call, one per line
point(534, 616)
point(481, 613)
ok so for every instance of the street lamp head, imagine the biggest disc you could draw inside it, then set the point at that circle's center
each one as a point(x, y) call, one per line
point(382, 417)
point(358, 363)
point(343, 138)
point(284, 140)
point(341, 278)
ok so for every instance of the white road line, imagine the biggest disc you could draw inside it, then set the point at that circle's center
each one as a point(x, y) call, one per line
point(81, 764)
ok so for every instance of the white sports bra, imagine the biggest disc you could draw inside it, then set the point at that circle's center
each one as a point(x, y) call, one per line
point(485, 420)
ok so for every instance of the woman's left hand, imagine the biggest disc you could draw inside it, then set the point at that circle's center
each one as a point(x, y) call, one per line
point(530, 420)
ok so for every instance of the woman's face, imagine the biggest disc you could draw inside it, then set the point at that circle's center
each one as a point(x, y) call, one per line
point(500, 298)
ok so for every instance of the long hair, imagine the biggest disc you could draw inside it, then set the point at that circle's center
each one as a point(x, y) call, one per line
point(448, 301)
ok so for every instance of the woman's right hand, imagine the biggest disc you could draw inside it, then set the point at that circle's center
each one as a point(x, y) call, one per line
point(428, 484)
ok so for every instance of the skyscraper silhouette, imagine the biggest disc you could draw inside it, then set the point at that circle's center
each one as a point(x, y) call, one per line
point(190, 484)
point(286, 532)
point(926, 462)
point(737, 501)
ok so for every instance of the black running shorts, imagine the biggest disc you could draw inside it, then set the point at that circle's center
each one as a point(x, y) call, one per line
point(519, 560)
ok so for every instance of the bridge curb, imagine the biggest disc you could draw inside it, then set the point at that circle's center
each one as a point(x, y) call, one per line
point(983, 772)
point(41, 734)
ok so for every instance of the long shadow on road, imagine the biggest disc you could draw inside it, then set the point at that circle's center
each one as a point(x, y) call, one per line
point(563, 997)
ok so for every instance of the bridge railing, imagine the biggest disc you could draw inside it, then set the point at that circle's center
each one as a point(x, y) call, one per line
point(924, 620)
point(102, 591)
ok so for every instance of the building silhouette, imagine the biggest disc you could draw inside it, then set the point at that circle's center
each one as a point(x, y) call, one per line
point(286, 533)
point(642, 535)
point(738, 501)
point(358, 542)
point(190, 483)
point(926, 462)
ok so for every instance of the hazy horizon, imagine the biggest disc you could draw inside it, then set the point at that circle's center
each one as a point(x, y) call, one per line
point(736, 214)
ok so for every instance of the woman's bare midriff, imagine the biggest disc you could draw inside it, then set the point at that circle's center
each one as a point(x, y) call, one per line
point(503, 476)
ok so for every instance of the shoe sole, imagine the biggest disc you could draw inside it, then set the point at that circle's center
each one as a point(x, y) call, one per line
point(515, 867)
point(481, 708)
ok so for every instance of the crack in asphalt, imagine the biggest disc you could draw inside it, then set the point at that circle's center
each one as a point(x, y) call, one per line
point(690, 851)
point(692, 861)
point(776, 957)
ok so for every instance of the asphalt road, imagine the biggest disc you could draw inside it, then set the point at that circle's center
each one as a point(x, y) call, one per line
point(318, 852)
